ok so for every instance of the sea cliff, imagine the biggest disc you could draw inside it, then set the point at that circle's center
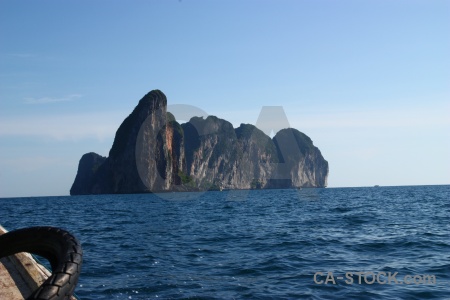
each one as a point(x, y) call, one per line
point(152, 152)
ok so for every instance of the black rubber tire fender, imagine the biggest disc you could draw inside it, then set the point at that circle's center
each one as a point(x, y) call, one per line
point(59, 247)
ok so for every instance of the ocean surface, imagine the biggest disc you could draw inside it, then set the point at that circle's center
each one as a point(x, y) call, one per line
point(259, 244)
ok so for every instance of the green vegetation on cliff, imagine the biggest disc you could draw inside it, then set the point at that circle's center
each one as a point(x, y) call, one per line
point(202, 154)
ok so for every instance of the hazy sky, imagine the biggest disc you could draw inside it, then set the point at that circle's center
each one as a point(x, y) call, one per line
point(367, 81)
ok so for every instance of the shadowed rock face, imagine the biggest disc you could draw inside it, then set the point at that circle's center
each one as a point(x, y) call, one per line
point(153, 153)
point(301, 163)
point(87, 173)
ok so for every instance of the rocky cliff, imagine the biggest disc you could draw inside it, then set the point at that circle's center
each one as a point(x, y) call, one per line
point(87, 173)
point(152, 152)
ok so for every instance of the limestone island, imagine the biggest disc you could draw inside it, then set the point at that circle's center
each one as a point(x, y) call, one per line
point(152, 152)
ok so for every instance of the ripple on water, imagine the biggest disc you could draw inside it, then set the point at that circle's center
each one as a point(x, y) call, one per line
point(267, 245)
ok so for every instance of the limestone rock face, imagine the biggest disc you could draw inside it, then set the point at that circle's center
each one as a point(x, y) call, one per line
point(152, 152)
point(219, 156)
point(146, 121)
point(301, 163)
point(87, 171)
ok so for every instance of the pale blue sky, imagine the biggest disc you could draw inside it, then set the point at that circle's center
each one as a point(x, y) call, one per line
point(368, 81)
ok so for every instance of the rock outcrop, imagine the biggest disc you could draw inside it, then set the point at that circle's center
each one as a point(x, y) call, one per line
point(152, 152)
point(87, 173)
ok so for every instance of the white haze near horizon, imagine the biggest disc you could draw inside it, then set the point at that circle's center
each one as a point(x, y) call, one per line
point(343, 138)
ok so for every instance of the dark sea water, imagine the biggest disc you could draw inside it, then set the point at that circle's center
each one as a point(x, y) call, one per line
point(261, 244)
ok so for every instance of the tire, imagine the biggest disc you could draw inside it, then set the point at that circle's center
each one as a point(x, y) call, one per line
point(59, 247)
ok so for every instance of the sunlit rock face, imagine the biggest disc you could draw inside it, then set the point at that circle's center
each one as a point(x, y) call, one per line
point(152, 152)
